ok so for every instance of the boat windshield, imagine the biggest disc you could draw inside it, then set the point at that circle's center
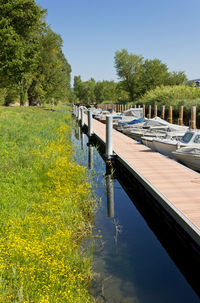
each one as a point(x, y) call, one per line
point(197, 139)
point(187, 137)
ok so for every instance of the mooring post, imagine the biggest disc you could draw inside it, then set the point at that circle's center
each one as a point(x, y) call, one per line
point(180, 119)
point(149, 114)
point(155, 110)
point(170, 114)
point(79, 113)
point(109, 145)
point(143, 111)
point(82, 117)
point(163, 112)
point(193, 117)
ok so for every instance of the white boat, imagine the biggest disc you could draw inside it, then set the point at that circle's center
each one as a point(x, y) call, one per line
point(167, 146)
point(155, 127)
point(95, 111)
point(154, 131)
point(145, 124)
point(190, 156)
point(131, 114)
point(148, 140)
point(102, 116)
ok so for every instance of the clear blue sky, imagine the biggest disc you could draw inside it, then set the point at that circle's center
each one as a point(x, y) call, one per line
point(92, 30)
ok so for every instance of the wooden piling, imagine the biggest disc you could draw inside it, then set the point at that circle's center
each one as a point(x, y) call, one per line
point(193, 117)
point(149, 114)
point(155, 110)
point(180, 119)
point(144, 111)
point(170, 117)
point(163, 112)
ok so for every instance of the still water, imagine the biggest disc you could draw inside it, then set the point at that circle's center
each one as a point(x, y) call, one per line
point(130, 263)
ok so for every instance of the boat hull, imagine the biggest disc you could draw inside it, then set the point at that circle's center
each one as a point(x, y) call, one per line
point(189, 159)
point(164, 147)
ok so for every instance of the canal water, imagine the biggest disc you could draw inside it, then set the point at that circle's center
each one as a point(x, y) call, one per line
point(130, 263)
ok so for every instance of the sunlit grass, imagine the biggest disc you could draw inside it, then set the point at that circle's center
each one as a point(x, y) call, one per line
point(46, 210)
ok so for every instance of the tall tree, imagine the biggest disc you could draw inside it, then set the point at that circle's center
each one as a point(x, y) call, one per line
point(20, 26)
point(155, 73)
point(177, 78)
point(52, 79)
point(84, 91)
point(138, 75)
point(105, 91)
point(129, 69)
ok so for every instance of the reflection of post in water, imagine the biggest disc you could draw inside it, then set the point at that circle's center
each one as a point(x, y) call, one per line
point(82, 140)
point(110, 191)
point(90, 155)
point(79, 133)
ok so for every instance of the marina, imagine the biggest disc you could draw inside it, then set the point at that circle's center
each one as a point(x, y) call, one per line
point(174, 186)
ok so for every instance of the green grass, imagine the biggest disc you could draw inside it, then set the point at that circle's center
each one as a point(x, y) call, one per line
point(46, 210)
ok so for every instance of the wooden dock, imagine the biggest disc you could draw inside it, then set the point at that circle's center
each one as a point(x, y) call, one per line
point(174, 186)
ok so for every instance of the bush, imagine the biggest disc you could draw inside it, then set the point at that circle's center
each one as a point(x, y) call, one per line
point(172, 95)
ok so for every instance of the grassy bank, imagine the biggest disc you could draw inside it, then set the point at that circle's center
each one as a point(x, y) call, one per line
point(45, 210)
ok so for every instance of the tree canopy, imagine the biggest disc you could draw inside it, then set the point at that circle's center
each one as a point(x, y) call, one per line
point(31, 58)
point(97, 92)
point(138, 75)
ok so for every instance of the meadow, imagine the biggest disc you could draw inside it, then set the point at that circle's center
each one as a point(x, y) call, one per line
point(46, 210)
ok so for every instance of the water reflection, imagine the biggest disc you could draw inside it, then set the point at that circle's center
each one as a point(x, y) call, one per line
point(110, 191)
point(77, 132)
point(90, 155)
point(82, 140)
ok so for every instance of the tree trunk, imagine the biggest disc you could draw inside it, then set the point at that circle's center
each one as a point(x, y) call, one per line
point(31, 93)
point(23, 92)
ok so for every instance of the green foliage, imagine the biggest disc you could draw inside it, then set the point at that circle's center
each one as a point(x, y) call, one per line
point(51, 82)
point(2, 96)
point(19, 27)
point(172, 95)
point(31, 58)
point(105, 91)
point(84, 91)
point(98, 92)
point(138, 75)
point(129, 68)
point(12, 96)
point(154, 74)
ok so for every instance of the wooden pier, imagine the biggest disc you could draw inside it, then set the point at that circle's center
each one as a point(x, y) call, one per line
point(174, 186)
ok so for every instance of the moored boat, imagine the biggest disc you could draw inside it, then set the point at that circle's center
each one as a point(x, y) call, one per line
point(167, 146)
point(190, 156)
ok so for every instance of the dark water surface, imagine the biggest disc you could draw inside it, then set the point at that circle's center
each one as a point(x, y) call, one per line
point(130, 263)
